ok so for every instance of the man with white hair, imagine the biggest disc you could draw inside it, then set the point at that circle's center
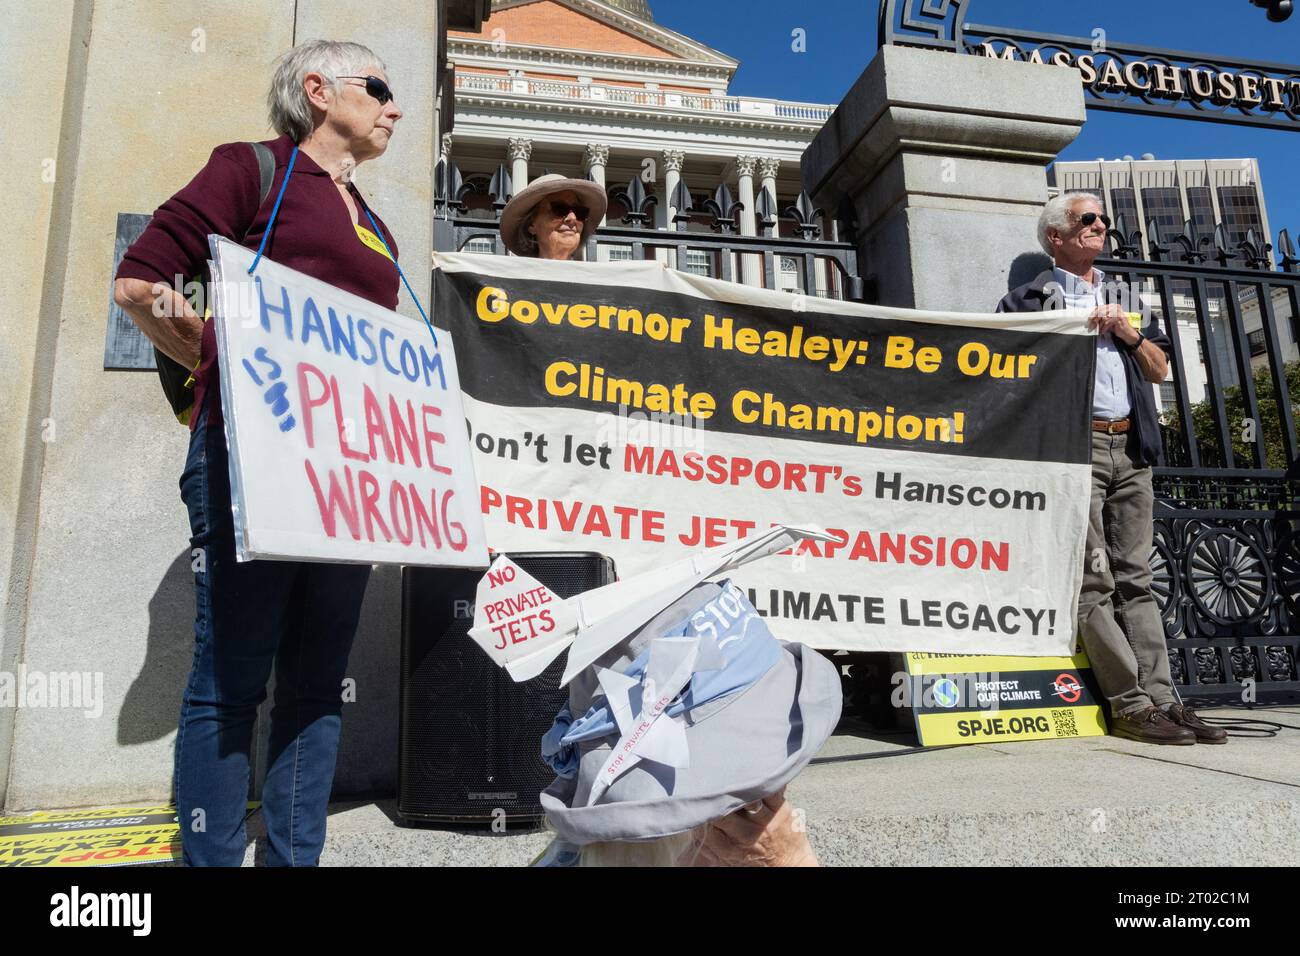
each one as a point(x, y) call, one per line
point(1131, 662)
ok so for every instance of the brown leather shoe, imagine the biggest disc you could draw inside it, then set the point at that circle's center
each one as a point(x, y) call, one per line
point(1186, 717)
point(1151, 726)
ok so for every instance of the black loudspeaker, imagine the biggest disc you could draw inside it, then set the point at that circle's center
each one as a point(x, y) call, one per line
point(469, 747)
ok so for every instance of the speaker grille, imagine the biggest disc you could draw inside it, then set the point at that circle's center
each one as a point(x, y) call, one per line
point(470, 737)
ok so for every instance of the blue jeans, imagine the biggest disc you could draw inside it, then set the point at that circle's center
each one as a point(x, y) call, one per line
point(300, 616)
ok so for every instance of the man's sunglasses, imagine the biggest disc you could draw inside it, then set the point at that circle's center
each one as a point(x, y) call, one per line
point(374, 86)
point(562, 210)
point(1088, 218)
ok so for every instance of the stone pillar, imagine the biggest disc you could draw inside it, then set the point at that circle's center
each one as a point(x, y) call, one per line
point(673, 160)
point(943, 156)
point(768, 167)
point(751, 270)
point(519, 148)
point(594, 161)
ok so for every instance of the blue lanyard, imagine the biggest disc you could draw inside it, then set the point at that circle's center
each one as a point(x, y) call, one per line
point(275, 211)
point(379, 232)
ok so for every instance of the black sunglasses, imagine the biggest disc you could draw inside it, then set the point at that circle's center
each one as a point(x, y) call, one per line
point(374, 86)
point(1088, 218)
point(562, 209)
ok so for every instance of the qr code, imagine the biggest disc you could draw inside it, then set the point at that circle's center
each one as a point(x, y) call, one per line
point(1063, 721)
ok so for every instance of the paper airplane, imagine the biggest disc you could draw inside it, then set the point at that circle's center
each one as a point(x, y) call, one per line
point(645, 731)
point(595, 621)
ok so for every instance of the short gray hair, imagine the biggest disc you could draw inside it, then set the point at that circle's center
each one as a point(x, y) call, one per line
point(1056, 215)
point(287, 100)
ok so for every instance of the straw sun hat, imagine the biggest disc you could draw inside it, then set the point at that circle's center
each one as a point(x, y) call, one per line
point(518, 213)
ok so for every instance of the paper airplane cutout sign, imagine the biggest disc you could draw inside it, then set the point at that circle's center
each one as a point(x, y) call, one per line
point(643, 735)
point(509, 623)
point(516, 616)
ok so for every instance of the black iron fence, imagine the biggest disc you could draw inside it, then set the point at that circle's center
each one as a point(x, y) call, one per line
point(798, 248)
point(1233, 321)
point(1226, 553)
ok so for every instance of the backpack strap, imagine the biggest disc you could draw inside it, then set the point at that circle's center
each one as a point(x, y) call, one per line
point(266, 167)
point(178, 382)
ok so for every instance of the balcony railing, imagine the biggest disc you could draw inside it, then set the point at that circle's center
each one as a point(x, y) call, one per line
point(675, 100)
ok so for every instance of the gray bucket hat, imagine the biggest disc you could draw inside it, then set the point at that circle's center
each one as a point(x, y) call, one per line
point(750, 725)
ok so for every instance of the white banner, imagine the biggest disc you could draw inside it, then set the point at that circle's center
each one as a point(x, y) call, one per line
point(344, 423)
point(644, 413)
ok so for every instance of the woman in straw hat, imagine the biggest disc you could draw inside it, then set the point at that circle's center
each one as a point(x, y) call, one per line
point(552, 217)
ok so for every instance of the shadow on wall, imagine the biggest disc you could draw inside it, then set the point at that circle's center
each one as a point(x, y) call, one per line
point(1026, 267)
point(152, 706)
point(367, 759)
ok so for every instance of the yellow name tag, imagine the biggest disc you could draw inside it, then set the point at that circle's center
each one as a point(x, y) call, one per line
point(1135, 319)
point(373, 241)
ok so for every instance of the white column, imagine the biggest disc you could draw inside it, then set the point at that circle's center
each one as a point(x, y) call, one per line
point(768, 167)
point(745, 194)
point(673, 160)
point(519, 149)
point(594, 161)
point(751, 266)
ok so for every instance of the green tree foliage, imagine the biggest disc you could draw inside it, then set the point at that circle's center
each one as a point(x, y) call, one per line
point(1235, 408)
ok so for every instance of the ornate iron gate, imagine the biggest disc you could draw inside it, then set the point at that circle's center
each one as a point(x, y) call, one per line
point(1226, 552)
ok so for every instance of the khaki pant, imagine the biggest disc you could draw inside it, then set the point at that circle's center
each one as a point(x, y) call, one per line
point(1131, 661)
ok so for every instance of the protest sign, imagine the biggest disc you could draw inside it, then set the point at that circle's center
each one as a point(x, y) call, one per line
point(516, 616)
point(106, 836)
point(344, 423)
point(958, 699)
point(644, 413)
point(523, 625)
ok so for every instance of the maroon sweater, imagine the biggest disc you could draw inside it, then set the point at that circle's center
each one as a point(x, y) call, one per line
point(313, 233)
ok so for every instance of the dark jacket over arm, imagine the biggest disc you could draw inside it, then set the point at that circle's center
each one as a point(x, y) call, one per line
point(1045, 293)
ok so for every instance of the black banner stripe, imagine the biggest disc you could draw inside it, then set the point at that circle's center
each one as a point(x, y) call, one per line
point(1023, 395)
point(968, 692)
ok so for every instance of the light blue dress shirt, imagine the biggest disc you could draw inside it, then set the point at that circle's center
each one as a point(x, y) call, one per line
point(1110, 387)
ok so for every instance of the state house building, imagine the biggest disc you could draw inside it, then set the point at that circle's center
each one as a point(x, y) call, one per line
point(598, 89)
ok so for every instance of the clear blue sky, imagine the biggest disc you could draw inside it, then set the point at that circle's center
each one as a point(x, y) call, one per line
point(841, 40)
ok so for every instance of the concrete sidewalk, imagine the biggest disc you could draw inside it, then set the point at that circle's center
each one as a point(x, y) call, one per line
point(870, 799)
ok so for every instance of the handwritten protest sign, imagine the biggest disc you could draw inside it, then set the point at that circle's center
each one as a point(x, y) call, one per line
point(515, 615)
point(344, 422)
point(645, 413)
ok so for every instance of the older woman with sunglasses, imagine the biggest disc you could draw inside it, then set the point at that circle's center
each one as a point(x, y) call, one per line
point(332, 106)
point(553, 217)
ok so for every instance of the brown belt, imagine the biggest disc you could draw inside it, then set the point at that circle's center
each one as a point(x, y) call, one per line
point(1117, 427)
